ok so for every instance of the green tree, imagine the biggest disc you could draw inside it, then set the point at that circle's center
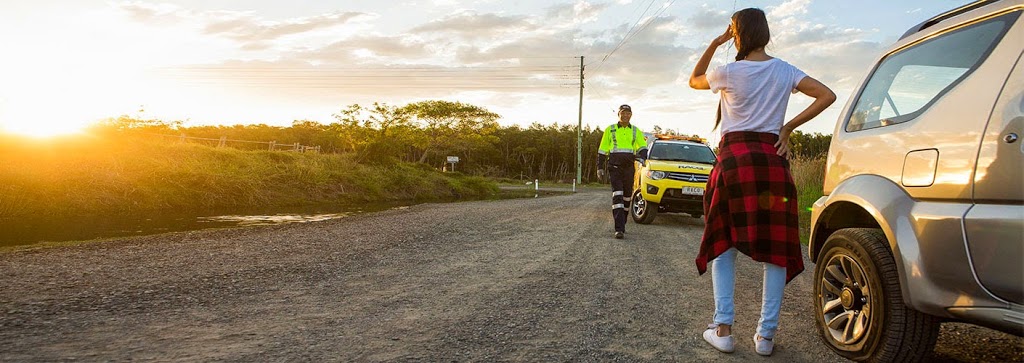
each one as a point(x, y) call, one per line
point(451, 127)
point(811, 146)
point(378, 134)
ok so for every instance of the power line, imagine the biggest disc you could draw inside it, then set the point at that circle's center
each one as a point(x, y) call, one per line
point(523, 77)
point(655, 16)
point(630, 34)
point(621, 42)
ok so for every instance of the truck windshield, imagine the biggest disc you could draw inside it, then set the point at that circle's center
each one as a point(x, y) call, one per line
point(682, 152)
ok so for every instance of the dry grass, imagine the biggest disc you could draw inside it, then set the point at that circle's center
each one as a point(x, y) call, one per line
point(809, 176)
point(92, 175)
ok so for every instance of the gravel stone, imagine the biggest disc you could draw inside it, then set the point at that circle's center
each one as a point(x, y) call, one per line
point(537, 279)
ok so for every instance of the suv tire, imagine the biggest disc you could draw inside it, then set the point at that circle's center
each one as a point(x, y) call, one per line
point(856, 284)
point(643, 212)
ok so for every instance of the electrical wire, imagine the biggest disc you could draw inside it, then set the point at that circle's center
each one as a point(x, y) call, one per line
point(394, 77)
point(630, 33)
point(623, 41)
point(655, 16)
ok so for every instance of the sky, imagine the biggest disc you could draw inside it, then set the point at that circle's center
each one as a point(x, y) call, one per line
point(69, 63)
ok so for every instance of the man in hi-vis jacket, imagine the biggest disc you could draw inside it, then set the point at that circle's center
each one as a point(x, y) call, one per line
point(620, 143)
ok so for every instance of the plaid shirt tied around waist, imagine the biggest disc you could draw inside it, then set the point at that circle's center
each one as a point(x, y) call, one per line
point(750, 204)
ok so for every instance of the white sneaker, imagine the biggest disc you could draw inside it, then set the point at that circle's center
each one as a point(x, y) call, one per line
point(763, 346)
point(724, 344)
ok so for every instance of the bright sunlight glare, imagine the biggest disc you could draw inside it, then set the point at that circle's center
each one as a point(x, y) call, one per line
point(58, 82)
point(51, 100)
point(38, 113)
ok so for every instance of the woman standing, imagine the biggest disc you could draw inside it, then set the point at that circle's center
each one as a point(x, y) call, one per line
point(750, 202)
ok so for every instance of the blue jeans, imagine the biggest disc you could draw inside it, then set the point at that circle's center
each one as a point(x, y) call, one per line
point(723, 279)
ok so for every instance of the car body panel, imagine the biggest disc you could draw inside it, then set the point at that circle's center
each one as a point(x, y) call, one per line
point(995, 226)
point(952, 127)
point(942, 184)
point(924, 238)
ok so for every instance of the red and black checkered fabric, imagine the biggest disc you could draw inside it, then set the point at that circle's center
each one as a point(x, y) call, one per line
point(750, 204)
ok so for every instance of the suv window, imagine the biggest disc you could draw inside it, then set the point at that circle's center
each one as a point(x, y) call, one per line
point(669, 151)
point(906, 82)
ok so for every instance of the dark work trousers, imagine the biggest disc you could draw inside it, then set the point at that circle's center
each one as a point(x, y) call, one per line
point(621, 176)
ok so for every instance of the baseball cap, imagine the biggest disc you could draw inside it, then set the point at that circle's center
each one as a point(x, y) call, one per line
point(625, 107)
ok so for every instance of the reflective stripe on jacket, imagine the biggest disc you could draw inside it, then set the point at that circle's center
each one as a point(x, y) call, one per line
point(622, 140)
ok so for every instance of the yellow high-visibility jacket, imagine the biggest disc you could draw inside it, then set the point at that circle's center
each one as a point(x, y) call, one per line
point(619, 144)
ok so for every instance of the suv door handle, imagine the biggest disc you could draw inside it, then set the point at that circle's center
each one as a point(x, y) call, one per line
point(1010, 138)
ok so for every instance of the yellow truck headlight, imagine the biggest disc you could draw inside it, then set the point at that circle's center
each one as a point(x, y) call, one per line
point(655, 175)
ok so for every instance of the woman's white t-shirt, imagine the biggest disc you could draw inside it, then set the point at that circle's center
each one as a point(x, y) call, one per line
point(754, 93)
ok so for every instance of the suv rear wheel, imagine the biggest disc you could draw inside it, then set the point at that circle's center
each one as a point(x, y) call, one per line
point(643, 212)
point(859, 307)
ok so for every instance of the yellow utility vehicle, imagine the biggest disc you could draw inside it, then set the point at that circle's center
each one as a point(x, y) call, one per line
point(671, 177)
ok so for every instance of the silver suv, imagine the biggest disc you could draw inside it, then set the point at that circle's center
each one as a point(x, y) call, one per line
point(923, 215)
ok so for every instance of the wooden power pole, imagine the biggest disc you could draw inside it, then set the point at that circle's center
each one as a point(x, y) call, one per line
point(579, 132)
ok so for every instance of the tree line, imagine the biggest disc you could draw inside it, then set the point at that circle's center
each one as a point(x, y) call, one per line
point(427, 132)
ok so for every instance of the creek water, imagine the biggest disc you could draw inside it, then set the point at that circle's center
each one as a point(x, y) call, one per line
point(29, 230)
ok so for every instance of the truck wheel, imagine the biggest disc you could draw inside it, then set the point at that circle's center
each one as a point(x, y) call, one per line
point(858, 304)
point(643, 212)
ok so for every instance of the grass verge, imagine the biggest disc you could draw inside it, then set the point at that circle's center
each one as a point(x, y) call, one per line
point(94, 175)
point(809, 176)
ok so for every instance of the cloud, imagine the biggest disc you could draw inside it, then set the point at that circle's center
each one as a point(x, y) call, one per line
point(159, 14)
point(650, 58)
point(371, 48)
point(473, 25)
point(837, 56)
point(789, 8)
point(247, 28)
point(706, 18)
point(579, 12)
point(252, 31)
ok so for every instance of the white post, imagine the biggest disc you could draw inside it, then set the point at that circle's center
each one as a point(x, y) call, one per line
point(536, 185)
point(574, 185)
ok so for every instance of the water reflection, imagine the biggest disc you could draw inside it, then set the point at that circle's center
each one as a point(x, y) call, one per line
point(271, 220)
point(34, 229)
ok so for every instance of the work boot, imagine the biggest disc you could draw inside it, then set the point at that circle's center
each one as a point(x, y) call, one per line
point(619, 235)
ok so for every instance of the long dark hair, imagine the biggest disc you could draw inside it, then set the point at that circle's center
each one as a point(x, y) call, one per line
point(751, 31)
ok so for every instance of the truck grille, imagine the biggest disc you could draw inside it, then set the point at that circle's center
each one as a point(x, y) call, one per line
point(688, 177)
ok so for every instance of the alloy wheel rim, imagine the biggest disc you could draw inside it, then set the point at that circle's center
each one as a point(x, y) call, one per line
point(639, 205)
point(845, 299)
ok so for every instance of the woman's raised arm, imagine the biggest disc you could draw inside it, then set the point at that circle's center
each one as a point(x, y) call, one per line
point(699, 79)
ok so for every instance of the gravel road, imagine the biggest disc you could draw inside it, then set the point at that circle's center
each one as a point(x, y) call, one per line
point(513, 280)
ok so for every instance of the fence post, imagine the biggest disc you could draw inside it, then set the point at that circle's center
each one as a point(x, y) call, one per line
point(273, 144)
point(295, 147)
point(182, 138)
point(223, 141)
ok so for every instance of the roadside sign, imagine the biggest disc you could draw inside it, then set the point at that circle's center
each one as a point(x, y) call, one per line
point(453, 159)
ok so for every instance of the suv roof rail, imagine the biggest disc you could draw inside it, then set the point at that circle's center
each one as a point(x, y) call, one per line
point(949, 14)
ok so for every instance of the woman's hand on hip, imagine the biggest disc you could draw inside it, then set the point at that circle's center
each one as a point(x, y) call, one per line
point(782, 146)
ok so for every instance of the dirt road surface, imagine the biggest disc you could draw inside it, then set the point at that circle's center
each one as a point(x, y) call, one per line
point(513, 280)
